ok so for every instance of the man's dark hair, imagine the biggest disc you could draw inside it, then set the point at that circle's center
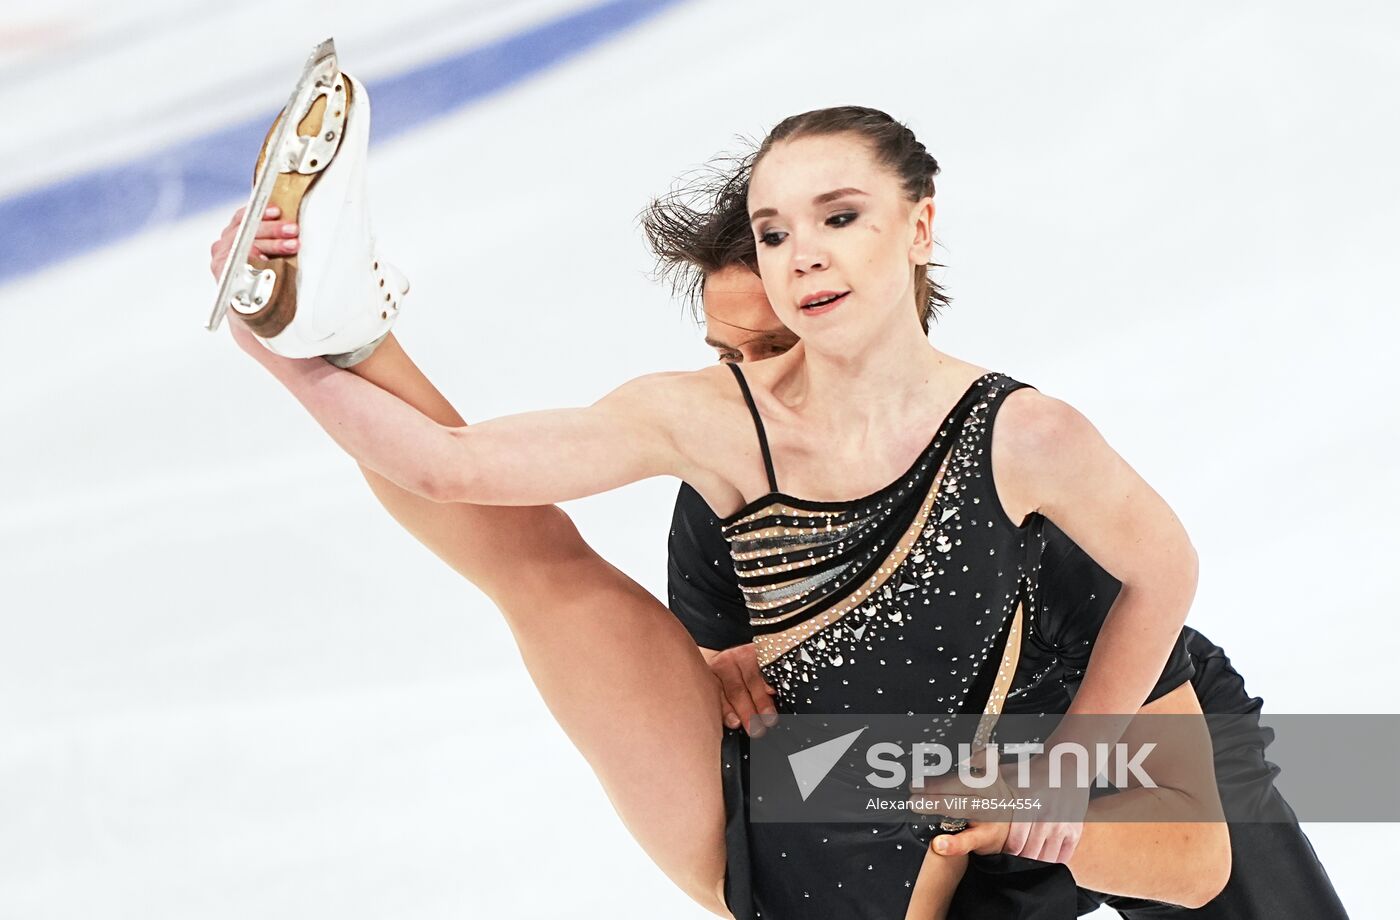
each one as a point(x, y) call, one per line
point(702, 226)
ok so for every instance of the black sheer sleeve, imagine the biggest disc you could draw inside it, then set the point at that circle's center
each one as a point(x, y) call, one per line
point(1075, 595)
point(701, 584)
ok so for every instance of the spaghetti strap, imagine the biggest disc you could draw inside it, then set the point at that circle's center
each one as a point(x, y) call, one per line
point(758, 424)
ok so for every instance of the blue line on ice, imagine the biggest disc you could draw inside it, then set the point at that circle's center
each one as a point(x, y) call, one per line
point(99, 207)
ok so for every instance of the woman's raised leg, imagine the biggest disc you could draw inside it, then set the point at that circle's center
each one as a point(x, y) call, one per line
point(619, 673)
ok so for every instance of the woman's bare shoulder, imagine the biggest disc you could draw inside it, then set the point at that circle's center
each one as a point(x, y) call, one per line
point(701, 416)
point(697, 413)
point(1031, 422)
point(1042, 446)
point(680, 391)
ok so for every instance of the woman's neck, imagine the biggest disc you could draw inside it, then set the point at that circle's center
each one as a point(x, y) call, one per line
point(870, 387)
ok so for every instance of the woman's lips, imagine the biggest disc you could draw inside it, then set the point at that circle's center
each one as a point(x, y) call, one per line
point(824, 302)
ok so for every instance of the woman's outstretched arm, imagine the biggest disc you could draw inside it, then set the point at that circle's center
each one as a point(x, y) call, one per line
point(535, 458)
point(532, 458)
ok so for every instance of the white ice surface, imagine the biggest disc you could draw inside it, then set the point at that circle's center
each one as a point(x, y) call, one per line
point(231, 687)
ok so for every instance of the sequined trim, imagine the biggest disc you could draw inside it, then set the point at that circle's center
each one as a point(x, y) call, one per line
point(786, 591)
point(772, 645)
point(916, 551)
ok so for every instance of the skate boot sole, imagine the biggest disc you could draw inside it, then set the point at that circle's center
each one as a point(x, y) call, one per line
point(287, 193)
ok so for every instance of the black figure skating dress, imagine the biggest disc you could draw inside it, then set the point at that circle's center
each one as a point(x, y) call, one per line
point(896, 602)
point(901, 610)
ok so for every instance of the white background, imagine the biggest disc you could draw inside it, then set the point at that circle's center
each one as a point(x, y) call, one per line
point(231, 687)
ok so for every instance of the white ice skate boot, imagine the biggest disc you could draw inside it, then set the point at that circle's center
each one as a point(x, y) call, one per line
point(335, 297)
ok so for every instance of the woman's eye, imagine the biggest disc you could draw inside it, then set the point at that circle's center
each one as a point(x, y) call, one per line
point(730, 357)
point(772, 237)
point(841, 220)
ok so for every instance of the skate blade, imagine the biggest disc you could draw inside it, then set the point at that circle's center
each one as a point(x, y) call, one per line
point(290, 160)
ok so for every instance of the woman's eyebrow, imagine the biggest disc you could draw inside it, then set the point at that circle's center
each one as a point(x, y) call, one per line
point(823, 198)
point(838, 193)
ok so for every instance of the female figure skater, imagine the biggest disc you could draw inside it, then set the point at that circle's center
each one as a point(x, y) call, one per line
point(844, 231)
point(708, 256)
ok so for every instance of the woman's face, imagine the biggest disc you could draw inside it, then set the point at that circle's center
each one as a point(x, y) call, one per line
point(837, 241)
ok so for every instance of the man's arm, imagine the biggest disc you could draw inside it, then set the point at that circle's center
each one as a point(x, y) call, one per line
point(1183, 858)
point(1168, 843)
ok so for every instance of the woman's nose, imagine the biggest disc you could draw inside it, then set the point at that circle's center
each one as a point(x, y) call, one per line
point(808, 260)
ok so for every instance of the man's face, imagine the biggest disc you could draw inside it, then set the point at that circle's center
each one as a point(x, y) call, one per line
point(739, 321)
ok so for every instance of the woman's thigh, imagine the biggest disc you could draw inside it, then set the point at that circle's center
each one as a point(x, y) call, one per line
point(631, 690)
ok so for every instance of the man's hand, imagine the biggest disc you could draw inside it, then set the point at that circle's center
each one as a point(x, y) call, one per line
point(983, 835)
point(744, 693)
point(1051, 832)
point(274, 239)
point(985, 838)
point(1050, 835)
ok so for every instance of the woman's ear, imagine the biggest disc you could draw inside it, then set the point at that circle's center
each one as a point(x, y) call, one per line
point(921, 249)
